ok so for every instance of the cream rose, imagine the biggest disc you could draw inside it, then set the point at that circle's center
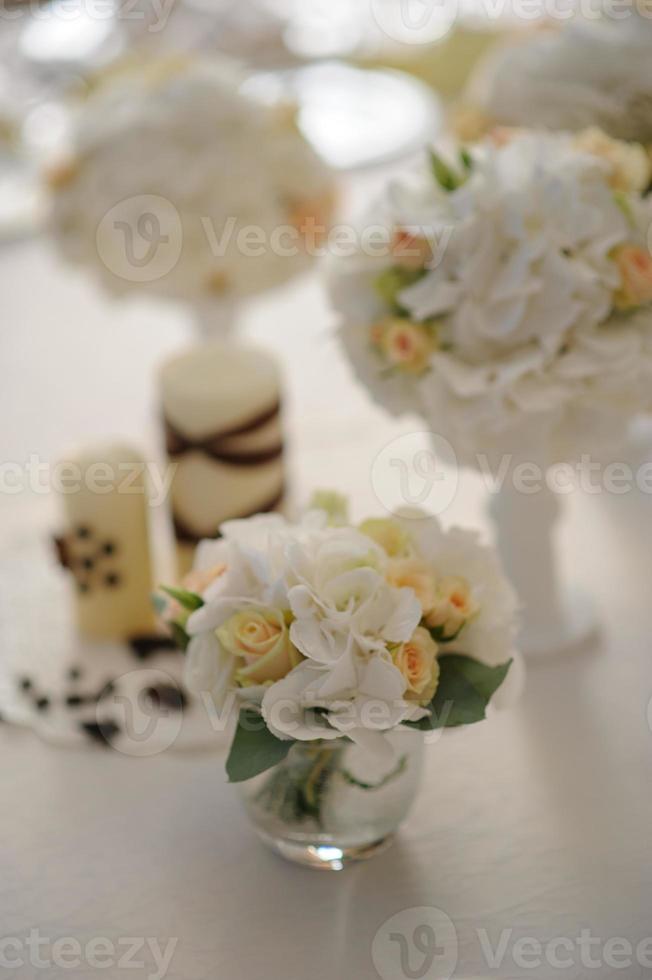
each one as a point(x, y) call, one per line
point(631, 167)
point(417, 661)
point(415, 574)
point(260, 637)
point(389, 535)
point(405, 345)
point(635, 265)
point(411, 251)
point(453, 607)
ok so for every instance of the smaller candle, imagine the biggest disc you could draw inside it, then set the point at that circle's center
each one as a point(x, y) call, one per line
point(105, 543)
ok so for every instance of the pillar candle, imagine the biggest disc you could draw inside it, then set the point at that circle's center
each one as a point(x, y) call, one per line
point(221, 406)
point(105, 543)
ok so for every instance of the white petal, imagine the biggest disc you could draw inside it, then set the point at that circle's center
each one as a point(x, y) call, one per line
point(209, 669)
point(404, 617)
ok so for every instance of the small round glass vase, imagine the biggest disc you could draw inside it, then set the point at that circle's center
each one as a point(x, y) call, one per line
point(330, 803)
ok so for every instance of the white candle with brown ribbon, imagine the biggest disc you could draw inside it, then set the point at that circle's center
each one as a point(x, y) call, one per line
point(222, 414)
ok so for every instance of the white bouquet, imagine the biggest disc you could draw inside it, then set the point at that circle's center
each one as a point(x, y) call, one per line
point(325, 631)
point(511, 305)
point(181, 183)
point(588, 73)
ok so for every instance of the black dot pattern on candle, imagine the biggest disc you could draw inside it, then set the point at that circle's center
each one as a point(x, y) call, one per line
point(91, 559)
point(75, 700)
point(105, 691)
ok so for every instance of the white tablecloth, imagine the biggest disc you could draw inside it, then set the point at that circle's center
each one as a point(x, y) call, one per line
point(533, 825)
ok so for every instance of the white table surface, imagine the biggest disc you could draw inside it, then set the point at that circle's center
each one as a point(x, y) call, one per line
point(538, 821)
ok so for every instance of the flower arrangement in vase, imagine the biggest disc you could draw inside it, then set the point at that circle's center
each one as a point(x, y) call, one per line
point(511, 309)
point(341, 647)
point(179, 184)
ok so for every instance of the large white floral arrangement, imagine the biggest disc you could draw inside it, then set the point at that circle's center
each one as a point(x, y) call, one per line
point(326, 631)
point(180, 144)
point(586, 73)
point(511, 304)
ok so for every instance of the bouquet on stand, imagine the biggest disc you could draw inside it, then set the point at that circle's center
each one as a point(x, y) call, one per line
point(180, 184)
point(511, 309)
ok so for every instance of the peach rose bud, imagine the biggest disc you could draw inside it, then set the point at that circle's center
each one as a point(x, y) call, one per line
point(406, 346)
point(411, 250)
point(454, 606)
point(417, 661)
point(415, 574)
point(635, 266)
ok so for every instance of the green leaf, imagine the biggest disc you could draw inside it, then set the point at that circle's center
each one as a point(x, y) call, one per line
point(438, 633)
point(466, 159)
point(465, 688)
point(179, 636)
point(254, 749)
point(392, 281)
point(159, 603)
point(189, 600)
point(445, 176)
point(624, 203)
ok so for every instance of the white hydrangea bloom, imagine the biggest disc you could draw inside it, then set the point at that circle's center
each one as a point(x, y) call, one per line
point(587, 73)
point(345, 620)
point(182, 138)
point(512, 325)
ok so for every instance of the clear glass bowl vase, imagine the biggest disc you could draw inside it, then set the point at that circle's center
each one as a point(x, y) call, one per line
point(332, 802)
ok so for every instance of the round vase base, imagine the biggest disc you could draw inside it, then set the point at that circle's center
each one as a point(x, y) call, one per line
point(578, 624)
point(324, 857)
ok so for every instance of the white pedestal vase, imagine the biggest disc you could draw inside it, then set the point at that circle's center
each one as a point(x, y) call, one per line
point(554, 620)
point(214, 318)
